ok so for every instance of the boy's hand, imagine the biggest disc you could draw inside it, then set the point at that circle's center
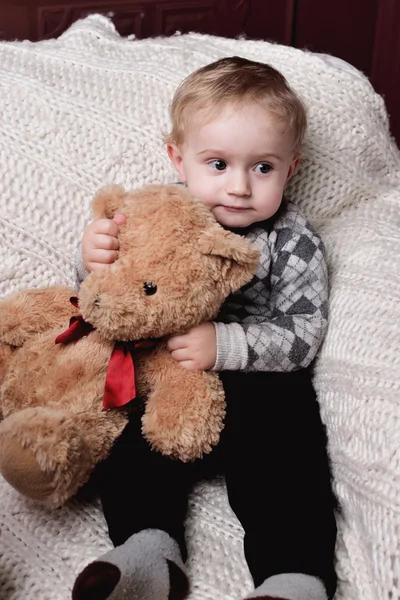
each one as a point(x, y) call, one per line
point(100, 243)
point(196, 349)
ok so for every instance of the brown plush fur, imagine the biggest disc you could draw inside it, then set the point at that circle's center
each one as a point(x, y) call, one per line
point(55, 430)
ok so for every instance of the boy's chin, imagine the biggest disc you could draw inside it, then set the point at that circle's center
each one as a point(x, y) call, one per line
point(234, 219)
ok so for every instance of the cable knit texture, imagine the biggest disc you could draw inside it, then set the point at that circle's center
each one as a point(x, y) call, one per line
point(90, 108)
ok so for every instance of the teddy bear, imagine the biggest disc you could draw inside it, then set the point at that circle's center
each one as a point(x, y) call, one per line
point(72, 368)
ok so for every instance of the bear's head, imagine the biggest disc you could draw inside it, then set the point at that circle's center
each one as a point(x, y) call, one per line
point(175, 268)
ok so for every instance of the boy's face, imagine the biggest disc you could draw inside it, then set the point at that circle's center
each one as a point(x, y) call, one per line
point(237, 164)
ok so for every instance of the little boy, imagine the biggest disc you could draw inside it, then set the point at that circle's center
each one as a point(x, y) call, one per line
point(237, 129)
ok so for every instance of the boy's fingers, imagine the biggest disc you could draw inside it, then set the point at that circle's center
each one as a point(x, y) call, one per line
point(176, 342)
point(106, 242)
point(106, 227)
point(95, 267)
point(180, 355)
point(189, 365)
point(119, 219)
point(102, 257)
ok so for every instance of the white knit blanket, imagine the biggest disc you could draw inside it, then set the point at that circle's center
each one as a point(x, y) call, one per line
point(91, 108)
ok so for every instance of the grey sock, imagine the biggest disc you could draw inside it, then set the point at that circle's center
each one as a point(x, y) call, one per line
point(291, 586)
point(148, 566)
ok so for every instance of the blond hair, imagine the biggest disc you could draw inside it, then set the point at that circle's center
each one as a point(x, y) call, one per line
point(236, 80)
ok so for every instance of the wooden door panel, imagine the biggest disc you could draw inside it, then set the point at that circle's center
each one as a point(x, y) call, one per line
point(52, 19)
point(385, 71)
point(40, 19)
point(343, 28)
point(363, 32)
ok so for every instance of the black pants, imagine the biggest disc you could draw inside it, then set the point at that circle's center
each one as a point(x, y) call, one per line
point(273, 454)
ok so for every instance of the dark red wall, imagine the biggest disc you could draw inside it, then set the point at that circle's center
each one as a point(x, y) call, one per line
point(366, 33)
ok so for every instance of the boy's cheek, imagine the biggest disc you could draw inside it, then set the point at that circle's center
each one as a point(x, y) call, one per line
point(201, 185)
point(196, 185)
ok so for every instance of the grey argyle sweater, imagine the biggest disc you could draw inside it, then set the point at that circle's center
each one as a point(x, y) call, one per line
point(277, 321)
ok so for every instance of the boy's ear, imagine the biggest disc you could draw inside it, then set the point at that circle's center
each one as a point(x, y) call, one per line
point(175, 157)
point(293, 168)
point(107, 202)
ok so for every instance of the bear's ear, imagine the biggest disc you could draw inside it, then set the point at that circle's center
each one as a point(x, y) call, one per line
point(107, 202)
point(238, 258)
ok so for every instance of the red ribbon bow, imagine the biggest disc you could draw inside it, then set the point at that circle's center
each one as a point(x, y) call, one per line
point(120, 386)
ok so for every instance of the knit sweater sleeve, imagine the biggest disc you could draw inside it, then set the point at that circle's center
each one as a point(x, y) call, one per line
point(283, 330)
point(80, 272)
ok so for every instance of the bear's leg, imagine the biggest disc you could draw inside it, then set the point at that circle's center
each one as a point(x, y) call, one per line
point(184, 410)
point(43, 454)
point(26, 313)
point(19, 467)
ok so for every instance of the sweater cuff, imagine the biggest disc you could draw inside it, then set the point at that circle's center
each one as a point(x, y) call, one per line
point(232, 349)
point(80, 272)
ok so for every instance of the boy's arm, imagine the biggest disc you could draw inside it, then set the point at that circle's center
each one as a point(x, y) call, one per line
point(290, 333)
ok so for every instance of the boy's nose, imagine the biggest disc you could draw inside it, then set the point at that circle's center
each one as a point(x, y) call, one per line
point(239, 185)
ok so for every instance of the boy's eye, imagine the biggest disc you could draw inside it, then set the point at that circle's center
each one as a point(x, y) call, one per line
point(218, 165)
point(263, 168)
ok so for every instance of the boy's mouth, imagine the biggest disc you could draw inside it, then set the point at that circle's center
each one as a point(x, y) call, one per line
point(235, 208)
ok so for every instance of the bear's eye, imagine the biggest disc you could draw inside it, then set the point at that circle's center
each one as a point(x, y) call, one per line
point(149, 288)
